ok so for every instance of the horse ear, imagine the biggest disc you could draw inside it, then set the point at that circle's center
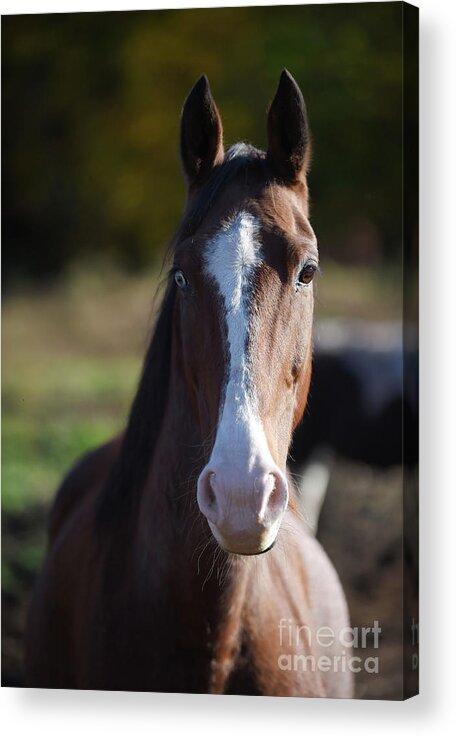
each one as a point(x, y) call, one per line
point(288, 130)
point(201, 137)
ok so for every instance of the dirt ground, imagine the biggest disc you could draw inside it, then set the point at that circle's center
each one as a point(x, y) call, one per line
point(361, 530)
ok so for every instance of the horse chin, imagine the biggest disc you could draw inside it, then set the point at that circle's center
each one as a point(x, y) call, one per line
point(245, 545)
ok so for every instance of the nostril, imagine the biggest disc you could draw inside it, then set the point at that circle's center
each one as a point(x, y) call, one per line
point(275, 498)
point(281, 491)
point(206, 496)
point(210, 491)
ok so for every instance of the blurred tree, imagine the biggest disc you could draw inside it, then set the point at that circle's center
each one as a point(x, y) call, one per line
point(91, 114)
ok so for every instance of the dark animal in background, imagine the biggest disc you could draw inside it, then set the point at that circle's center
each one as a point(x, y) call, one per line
point(356, 410)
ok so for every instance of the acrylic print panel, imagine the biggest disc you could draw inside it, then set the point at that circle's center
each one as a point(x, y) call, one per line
point(243, 517)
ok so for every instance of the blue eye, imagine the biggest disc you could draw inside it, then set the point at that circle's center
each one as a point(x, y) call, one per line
point(180, 279)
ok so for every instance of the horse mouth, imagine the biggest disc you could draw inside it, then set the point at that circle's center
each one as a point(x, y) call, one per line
point(258, 553)
point(241, 547)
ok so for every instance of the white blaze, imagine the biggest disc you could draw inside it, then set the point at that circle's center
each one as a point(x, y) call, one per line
point(231, 259)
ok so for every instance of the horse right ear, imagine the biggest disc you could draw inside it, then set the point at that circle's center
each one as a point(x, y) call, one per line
point(201, 137)
point(288, 131)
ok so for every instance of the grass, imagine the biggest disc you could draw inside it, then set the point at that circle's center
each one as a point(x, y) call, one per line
point(71, 358)
point(54, 409)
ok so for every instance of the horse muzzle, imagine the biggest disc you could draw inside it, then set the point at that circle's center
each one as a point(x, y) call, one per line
point(244, 507)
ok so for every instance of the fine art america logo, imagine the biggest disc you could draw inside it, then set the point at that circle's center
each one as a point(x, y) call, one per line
point(317, 648)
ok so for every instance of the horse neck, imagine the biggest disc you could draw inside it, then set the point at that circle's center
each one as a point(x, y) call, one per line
point(174, 543)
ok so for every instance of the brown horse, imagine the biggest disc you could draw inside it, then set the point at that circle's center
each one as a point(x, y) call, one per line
point(153, 578)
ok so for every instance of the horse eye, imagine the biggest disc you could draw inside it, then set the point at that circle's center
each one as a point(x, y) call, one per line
point(180, 279)
point(306, 274)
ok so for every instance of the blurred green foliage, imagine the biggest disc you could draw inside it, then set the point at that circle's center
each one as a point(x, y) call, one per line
point(53, 412)
point(91, 116)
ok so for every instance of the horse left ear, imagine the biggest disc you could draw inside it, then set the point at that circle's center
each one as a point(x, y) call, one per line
point(201, 138)
point(288, 131)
